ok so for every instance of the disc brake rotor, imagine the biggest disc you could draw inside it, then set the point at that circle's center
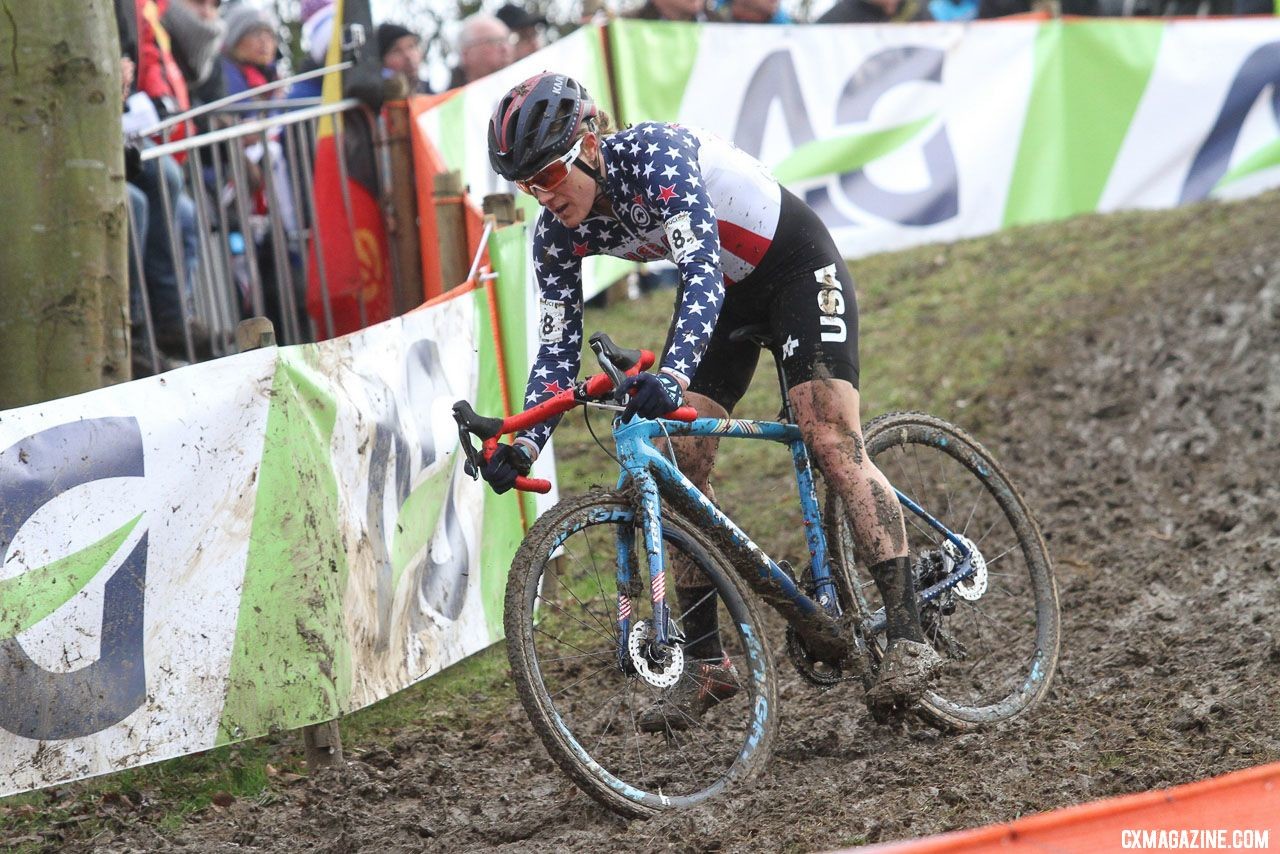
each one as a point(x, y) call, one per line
point(637, 647)
point(973, 587)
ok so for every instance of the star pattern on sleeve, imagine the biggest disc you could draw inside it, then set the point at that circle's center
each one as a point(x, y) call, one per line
point(559, 283)
point(673, 186)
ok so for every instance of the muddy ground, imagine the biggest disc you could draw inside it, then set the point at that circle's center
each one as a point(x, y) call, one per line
point(1150, 452)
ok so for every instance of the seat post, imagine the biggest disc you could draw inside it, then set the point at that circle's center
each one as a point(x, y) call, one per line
point(760, 335)
point(785, 416)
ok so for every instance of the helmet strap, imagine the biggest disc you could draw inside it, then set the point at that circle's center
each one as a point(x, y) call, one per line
point(597, 176)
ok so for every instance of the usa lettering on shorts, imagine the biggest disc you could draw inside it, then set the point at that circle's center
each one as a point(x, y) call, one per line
point(831, 304)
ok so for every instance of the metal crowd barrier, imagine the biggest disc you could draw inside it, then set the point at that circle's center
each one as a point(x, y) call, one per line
point(250, 182)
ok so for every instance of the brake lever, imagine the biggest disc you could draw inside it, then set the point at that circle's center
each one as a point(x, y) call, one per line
point(615, 375)
point(474, 460)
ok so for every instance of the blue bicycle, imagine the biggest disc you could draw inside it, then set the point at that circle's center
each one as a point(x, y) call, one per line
point(595, 629)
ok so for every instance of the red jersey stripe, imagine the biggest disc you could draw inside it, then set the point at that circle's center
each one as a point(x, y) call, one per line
point(747, 245)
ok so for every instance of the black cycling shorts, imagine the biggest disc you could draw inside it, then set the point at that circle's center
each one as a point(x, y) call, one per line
point(803, 291)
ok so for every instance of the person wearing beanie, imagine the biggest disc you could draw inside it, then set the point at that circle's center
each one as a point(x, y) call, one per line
point(527, 27)
point(249, 50)
point(401, 52)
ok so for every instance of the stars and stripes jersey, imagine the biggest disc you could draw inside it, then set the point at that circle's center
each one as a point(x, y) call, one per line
point(677, 194)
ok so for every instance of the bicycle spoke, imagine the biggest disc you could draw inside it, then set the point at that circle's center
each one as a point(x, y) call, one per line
point(994, 623)
point(592, 629)
point(988, 531)
point(572, 657)
point(974, 509)
point(605, 731)
point(590, 554)
point(600, 669)
point(595, 707)
point(992, 648)
point(557, 639)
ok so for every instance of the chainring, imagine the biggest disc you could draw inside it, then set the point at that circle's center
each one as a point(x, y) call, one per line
point(817, 672)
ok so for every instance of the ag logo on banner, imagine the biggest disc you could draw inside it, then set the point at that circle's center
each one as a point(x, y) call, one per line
point(775, 81)
point(48, 705)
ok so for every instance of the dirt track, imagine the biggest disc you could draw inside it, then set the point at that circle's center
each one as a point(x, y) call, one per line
point(1150, 454)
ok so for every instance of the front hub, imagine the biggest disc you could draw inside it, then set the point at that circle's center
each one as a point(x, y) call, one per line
point(660, 667)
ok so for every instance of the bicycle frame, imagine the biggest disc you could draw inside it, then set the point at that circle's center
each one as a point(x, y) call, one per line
point(652, 474)
point(655, 477)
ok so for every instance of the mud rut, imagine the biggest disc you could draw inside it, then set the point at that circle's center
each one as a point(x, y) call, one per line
point(1150, 453)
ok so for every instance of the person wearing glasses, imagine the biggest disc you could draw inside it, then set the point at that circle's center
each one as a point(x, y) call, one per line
point(485, 45)
point(748, 251)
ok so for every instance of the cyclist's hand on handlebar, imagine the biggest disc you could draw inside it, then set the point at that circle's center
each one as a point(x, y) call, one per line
point(507, 463)
point(652, 395)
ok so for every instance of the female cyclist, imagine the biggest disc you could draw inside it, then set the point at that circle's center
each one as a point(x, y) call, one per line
point(748, 251)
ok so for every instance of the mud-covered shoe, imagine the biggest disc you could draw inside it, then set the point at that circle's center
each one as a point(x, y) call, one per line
point(689, 699)
point(906, 670)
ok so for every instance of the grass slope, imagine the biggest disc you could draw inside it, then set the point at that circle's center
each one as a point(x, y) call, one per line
point(944, 328)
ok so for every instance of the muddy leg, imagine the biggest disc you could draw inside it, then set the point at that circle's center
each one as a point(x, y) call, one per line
point(827, 412)
point(696, 456)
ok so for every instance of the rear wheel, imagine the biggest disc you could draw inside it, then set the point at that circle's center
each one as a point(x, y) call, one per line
point(561, 618)
point(998, 631)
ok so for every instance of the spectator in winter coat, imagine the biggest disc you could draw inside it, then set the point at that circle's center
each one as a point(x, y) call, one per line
point(873, 12)
point(249, 50)
point(158, 72)
point(401, 52)
point(195, 32)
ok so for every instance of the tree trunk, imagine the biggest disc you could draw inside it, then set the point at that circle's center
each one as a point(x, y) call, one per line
point(64, 325)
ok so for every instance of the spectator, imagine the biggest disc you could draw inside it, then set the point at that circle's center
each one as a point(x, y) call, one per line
point(528, 29)
point(485, 46)
point(249, 61)
point(167, 277)
point(158, 73)
point(249, 50)
point(1002, 8)
point(196, 31)
point(751, 12)
point(317, 31)
point(670, 10)
point(953, 10)
point(401, 52)
point(873, 12)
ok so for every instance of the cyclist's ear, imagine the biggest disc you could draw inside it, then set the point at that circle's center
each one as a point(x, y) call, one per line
point(591, 149)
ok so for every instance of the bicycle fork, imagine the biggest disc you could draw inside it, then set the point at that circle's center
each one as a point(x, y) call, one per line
point(628, 575)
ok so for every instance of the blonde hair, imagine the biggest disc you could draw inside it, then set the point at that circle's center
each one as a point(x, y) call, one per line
point(602, 125)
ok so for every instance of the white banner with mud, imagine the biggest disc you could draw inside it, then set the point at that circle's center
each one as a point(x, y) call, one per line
point(256, 543)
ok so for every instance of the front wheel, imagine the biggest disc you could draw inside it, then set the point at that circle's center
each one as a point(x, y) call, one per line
point(590, 709)
point(998, 631)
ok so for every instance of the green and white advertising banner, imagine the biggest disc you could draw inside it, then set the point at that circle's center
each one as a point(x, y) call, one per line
point(907, 134)
point(250, 544)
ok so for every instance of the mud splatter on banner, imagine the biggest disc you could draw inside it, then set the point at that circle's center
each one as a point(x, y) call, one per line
point(259, 542)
